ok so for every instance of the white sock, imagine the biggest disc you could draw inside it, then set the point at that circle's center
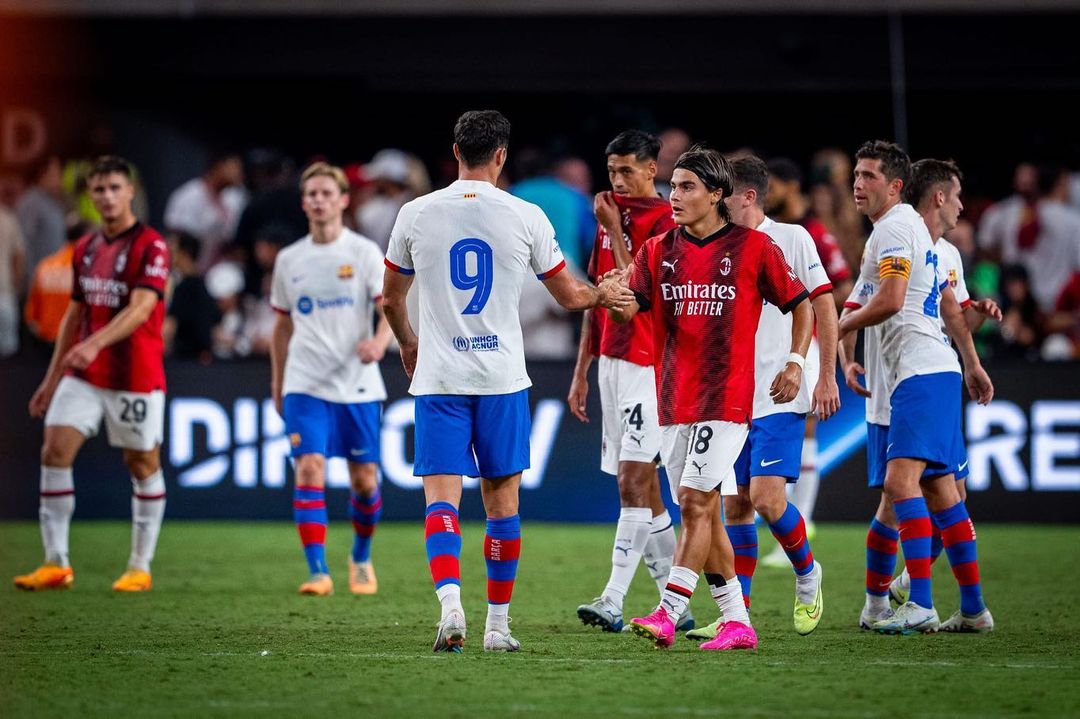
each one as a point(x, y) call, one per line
point(497, 618)
point(675, 602)
point(631, 535)
point(57, 504)
point(877, 604)
point(905, 579)
point(806, 586)
point(660, 549)
point(804, 493)
point(450, 597)
point(147, 511)
point(729, 599)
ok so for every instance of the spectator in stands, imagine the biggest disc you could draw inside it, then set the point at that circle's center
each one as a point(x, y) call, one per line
point(569, 211)
point(192, 312)
point(12, 261)
point(41, 211)
point(1040, 232)
point(673, 142)
point(50, 288)
point(1021, 323)
point(225, 283)
point(390, 172)
point(275, 203)
point(209, 207)
point(1065, 320)
point(574, 172)
point(832, 201)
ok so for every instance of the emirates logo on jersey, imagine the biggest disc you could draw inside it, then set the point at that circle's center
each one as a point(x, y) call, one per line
point(725, 266)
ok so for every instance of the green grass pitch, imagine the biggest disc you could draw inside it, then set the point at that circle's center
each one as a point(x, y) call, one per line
point(224, 634)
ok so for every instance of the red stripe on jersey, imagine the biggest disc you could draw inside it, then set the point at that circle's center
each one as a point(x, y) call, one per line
point(827, 287)
point(965, 304)
point(398, 268)
point(848, 304)
point(275, 308)
point(553, 271)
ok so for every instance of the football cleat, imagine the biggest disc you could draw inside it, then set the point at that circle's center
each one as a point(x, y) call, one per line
point(732, 635)
point(496, 640)
point(808, 616)
point(656, 627)
point(133, 580)
point(362, 578)
point(869, 618)
point(900, 588)
point(686, 622)
point(981, 623)
point(451, 634)
point(909, 618)
point(320, 585)
point(707, 632)
point(47, 576)
point(601, 612)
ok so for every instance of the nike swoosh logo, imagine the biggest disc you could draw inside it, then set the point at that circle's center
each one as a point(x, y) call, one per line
point(357, 452)
point(890, 446)
point(962, 466)
point(767, 464)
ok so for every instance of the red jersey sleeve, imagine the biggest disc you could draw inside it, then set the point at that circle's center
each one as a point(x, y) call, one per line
point(641, 277)
point(664, 223)
point(153, 271)
point(777, 282)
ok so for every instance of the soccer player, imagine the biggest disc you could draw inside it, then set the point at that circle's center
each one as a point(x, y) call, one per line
point(922, 379)
point(771, 457)
point(469, 247)
point(324, 355)
point(705, 283)
point(935, 193)
point(785, 202)
point(627, 216)
point(107, 363)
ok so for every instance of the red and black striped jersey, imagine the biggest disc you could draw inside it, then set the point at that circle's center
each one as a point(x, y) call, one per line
point(642, 218)
point(107, 270)
point(705, 297)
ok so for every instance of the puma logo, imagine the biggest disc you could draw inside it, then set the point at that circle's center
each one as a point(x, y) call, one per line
point(636, 439)
point(699, 467)
point(669, 265)
point(625, 550)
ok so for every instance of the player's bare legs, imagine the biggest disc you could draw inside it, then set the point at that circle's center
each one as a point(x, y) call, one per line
point(365, 510)
point(147, 512)
point(57, 504)
point(309, 513)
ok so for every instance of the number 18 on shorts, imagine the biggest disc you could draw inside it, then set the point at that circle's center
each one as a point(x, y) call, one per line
point(702, 455)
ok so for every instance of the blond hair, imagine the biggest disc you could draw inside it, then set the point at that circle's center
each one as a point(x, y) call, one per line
point(325, 169)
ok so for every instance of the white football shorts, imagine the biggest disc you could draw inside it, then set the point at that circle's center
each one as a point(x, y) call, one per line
point(630, 424)
point(133, 420)
point(702, 455)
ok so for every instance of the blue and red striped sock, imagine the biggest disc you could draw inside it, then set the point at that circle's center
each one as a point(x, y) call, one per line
point(744, 541)
point(364, 513)
point(881, 544)
point(936, 544)
point(790, 531)
point(442, 538)
point(958, 536)
point(309, 513)
point(502, 547)
point(915, 530)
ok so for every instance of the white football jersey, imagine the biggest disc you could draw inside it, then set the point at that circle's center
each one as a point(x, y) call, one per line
point(772, 343)
point(911, 340)
point(471, 246)
point(878, 410)
point(951, 273)
point(330, 291)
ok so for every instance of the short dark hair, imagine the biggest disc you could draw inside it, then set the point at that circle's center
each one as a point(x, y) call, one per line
point(785, 169)
point(751, 172)
point(712, 169)
point(638, 143)
point(108, 164)
point(187, 244)
point(479, 133)
point(895, 163)
point(926, 175)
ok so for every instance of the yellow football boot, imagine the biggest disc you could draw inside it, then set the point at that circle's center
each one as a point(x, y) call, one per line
point(47, 576)
point(133, 580)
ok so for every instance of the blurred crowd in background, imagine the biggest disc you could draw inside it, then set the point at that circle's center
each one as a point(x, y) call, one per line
point(226, 226)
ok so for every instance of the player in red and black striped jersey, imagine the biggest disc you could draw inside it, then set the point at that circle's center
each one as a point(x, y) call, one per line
point(704, 284)
point(107, 364)
point(627, 216)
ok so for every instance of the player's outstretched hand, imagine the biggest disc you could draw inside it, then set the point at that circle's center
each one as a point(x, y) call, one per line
point(826, 400)
point(606, 211)
point(579, 390)
point(988, 308)
point(408, 358)
point(81, 355)
point(979, 385)
point(370, 350)
point(41, 400)
point(785, 386)
point(851, 379)
point(614, 294)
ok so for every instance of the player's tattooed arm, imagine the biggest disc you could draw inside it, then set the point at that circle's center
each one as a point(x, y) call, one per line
point(395, 289)
point(579, 384)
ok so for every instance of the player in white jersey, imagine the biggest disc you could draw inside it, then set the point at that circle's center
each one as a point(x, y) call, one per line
point(470, 247)
point(772, 455)
point(922, 378)
point(326, 383)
